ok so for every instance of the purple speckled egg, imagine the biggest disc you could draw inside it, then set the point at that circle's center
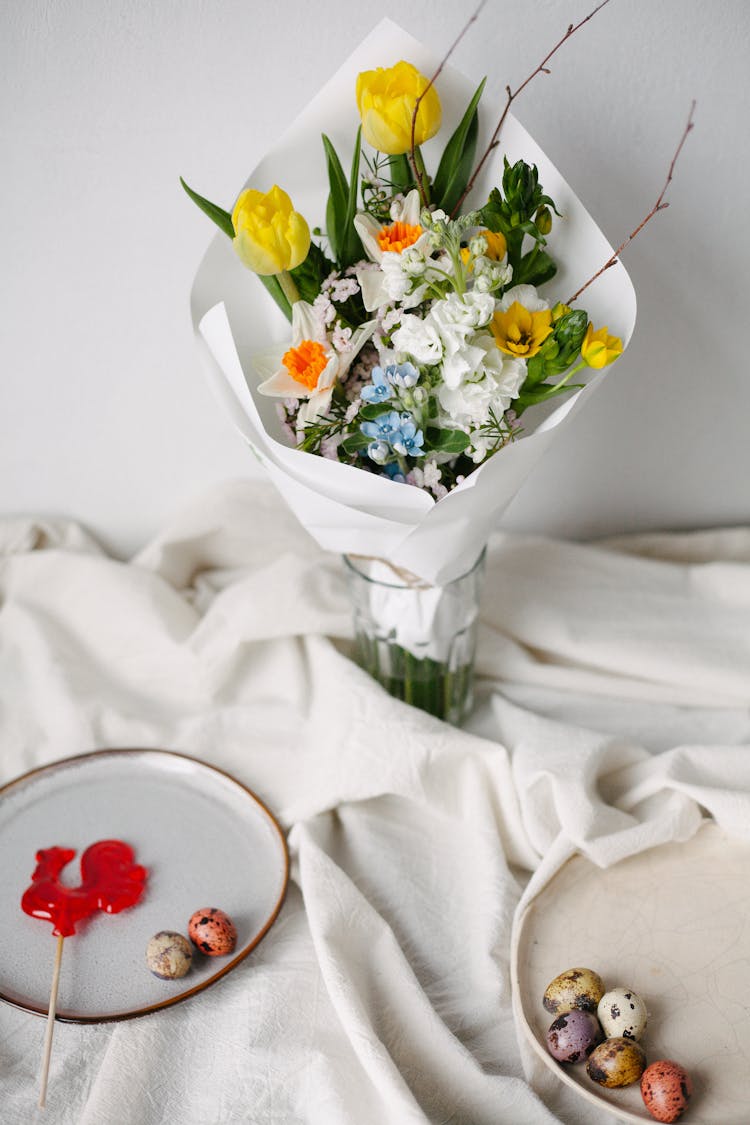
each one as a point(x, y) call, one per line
point(666, 1090)
point(572, 1037)
point(212, 931)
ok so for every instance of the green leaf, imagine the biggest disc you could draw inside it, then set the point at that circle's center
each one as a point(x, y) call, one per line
point(373, 410)
point(535, 268)
point(446, 441)
point(534, 371)
point(338, 199)
point(355, 443)
point(309, 275)
point(457, 160)
point(540, 394)
point(217, 214)
point(352, 250)
point(341, 207)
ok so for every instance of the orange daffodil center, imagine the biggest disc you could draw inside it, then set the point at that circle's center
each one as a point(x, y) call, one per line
point(306, 362)
point(519, 332)
point(384, 243)
point(397, 236)
point(309, 366)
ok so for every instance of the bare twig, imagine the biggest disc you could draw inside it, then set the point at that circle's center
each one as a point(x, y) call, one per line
point(513, 94)
point(660, 205)
point(418, 172)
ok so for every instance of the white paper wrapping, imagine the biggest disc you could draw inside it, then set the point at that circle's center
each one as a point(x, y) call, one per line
point(345, 508)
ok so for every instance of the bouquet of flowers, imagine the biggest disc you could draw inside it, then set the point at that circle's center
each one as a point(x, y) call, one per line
point(431, 338)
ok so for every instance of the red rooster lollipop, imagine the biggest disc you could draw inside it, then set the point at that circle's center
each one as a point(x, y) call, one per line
point(110, 881)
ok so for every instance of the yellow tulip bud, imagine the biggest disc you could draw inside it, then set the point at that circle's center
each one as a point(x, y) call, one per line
point(599, 348)
point(386, 98)
point(270, 236)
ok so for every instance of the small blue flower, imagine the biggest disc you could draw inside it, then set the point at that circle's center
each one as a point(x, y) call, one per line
point(402, 374)
point(385, 428)
point(379, 390)
point(377, 451)
point(410, 440)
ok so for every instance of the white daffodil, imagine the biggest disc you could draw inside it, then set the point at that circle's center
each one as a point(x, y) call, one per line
point(403, 231)
point(385, 244)
point(309, 367)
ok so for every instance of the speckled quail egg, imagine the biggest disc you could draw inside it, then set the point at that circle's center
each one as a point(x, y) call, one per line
point(169, 955)
point(212, 931)
point(575, 988)
point(572, 1036)
point(666, 1090)
point(622, 1014)
point(616, 1062)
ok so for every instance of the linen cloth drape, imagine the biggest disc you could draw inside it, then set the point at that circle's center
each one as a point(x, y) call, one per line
point(613, 714)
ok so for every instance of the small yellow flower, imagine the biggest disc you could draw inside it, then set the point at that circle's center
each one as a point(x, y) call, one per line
point(497, 247)
point(270, 236)
point(386, 98)
point(519, 332)
point(599, 348)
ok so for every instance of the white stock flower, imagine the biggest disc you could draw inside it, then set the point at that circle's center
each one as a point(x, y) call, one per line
point(419, 339)
point(526, 295)
point(456, 319)
point(470, 311)
point(468, 405)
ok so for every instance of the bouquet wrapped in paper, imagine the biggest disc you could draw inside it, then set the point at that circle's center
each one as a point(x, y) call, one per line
point(416, 347)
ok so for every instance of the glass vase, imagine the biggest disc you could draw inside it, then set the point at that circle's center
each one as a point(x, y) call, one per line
point(415, 639)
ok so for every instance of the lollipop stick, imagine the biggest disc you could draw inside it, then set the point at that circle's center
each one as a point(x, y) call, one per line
point(51, 1021)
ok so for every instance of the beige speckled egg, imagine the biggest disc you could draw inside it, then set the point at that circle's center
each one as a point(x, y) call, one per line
point(169, 955)
point(575, 988)
point(622, 1013)
point(666, 1090)
point(616, 1062)
point(212, 931)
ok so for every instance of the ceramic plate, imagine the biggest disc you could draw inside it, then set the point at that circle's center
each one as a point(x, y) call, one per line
point(206, 841)
point(673, 924)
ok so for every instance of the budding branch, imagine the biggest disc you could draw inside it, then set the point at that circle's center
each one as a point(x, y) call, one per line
point(418, 172)
point(660, 205)
point(513, 94)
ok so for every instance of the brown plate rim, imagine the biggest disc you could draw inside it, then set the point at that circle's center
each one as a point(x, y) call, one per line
point(168, 1002)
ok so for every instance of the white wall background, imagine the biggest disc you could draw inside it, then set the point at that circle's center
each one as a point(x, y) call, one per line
point(104, 414)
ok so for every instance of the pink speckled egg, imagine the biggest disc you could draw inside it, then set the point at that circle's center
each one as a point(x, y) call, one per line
point(572, 1036)
point(212, 931)
point(666, 1090)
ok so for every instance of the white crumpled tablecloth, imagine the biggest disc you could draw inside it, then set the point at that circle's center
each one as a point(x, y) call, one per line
point(612, 715)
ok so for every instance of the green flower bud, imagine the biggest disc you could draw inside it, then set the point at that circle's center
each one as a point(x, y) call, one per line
point(543, 220)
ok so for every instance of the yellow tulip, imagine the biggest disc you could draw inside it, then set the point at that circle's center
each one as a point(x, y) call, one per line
point(519, 332)
point(270, 236)
point(386, 98)
point(599, 348)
